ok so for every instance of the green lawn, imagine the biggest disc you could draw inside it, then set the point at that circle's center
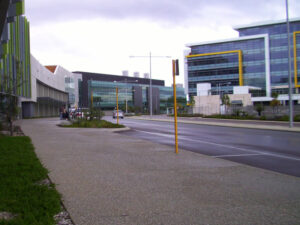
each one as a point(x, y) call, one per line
point(93, 124)
point(20, 171)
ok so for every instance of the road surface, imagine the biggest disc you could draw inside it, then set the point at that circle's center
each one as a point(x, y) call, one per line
point(273, 150)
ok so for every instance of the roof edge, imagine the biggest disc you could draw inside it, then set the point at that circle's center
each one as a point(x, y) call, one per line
point(265, 23)
point(228, 40)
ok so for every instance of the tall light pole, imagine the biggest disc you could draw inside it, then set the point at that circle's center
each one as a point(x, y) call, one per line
point(150, 85)
point(126, 82)
point(289, 62)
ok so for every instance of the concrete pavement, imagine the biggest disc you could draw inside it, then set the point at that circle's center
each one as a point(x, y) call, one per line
point(254, 124)
point(108, 178)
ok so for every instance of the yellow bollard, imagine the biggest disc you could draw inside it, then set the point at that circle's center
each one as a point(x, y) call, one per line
point(117, 106)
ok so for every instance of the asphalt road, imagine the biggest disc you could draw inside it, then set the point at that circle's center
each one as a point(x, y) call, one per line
point(273, 150)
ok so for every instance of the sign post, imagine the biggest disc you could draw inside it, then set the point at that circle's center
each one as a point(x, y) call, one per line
point(117, 105)
point(175, 72)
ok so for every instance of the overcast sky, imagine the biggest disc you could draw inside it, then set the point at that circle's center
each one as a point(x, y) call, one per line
point(100, 35)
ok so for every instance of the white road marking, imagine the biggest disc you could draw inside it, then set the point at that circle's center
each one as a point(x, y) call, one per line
point(225, 146)
point(240, 155)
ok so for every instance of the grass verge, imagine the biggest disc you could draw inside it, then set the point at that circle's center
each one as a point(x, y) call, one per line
point(20, 194)
point(93, 124)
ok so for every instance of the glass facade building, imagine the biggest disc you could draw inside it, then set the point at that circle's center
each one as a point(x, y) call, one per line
point(103, 94)
point(258, 58)
point(15, 66)
point(70, 88)
point(99, 90)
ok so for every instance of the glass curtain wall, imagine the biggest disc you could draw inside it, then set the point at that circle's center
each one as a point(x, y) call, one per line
point(103, 95)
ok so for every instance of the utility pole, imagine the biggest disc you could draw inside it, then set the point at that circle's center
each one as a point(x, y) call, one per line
point(150, 83)
point(289, 62)
point(175, 72)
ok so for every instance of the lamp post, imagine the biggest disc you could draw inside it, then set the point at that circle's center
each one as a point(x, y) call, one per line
point(150, 85)
point(289, 62)
point(221, 84)
point(117, 101)
point(126, 82)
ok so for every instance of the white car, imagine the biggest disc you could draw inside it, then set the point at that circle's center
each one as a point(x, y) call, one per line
point(121, 114)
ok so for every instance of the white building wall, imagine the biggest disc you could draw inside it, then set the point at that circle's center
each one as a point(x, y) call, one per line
point(203, 89)
point(39, 72)
point(186, 77)
point(77, 77)
point(207, 105)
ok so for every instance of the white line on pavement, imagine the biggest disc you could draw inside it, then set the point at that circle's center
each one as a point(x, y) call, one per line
point(239, 155)
point(225, 146)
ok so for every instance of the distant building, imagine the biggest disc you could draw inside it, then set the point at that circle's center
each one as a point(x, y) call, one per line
point(134, 91)
point(136, 74)
point(125, 73)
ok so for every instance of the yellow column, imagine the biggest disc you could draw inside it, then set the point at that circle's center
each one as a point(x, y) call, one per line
point(175, 109)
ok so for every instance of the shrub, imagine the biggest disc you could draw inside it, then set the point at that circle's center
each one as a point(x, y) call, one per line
point(297, 118)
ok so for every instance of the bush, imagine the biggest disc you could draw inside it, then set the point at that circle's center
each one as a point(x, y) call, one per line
point(297, 118)
point(263, 118)
point(187, 115)
point(234, 116)
point(93, 124)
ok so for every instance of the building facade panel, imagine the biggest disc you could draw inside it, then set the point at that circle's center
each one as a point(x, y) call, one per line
point(102, 94)
point(264, 49)
point(277, 33)
point(227, 64)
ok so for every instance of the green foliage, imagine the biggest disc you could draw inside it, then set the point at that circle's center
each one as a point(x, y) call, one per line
point(225, 100)
point(259, 108)
point(297, 118)
point(93, 124)
point(275, 95)
point(94, 113)
point(274, 103)
point(19, 192)
point(187, 115)
point(249, 117)
point(236, 117)
point(9, 99)
point(192, 101)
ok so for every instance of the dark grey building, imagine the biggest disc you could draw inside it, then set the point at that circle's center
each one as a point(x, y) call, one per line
point(133, 92)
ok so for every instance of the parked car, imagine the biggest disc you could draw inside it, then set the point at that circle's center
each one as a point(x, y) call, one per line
point(121, 114)
point(81, 113)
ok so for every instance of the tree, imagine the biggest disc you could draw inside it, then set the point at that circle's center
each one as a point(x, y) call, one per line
point(9, 101)
point(192, 101)
point(275, 102)
point(225, 101)
point(259, 108)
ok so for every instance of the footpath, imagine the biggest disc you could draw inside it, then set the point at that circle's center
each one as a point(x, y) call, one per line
point(109, 178)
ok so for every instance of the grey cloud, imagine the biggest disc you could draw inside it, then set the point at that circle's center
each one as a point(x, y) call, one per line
point(182, 12)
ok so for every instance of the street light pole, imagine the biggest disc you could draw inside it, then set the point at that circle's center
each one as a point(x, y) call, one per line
point(150, 74)
point(150, 86)
point(126, 109)
point(126, 92)
point(289, 62)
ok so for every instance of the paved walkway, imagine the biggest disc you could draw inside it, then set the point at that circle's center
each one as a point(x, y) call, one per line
point(251, 124)
point(109, 178)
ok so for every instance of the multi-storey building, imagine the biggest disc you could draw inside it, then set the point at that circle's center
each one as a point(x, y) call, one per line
point(40, 92)
point(15, 70)
point(258, 59)
point(100, 90)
